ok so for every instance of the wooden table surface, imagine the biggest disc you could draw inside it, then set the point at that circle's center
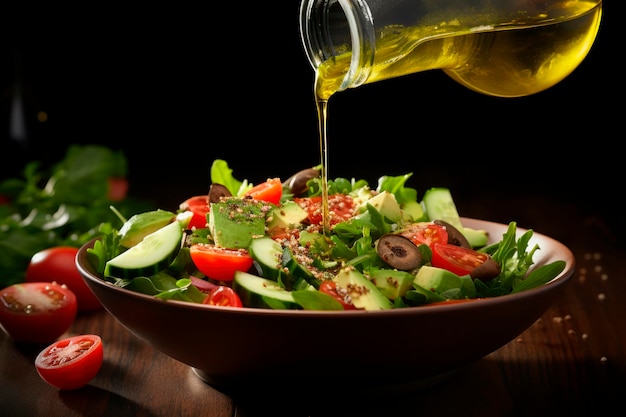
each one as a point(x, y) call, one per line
point(570, 362)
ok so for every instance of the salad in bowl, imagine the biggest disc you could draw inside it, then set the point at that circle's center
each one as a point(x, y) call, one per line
point(277, 245)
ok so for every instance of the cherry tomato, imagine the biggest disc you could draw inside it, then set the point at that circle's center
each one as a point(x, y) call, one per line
point(59, 264)
point(270, 191)
point(340, 208)
point(118, 188)
point(456, 259)
point(329, 287)
point(72, 362)
point(223, 296)
point(425, 233)
point(199, 206)
point(219, 263)
point(37, 312)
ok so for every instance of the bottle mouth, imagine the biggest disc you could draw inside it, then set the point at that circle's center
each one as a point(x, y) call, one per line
point(330, 28)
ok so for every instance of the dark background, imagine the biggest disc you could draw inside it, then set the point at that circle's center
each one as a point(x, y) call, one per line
point(177, 88)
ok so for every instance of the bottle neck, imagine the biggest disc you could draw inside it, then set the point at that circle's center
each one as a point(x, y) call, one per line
point(342, 31)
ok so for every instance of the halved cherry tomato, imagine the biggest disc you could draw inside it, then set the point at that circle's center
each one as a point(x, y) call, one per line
point(37, 312)
point(219, 263)
point(59, 264)
point(425, 233)
point(223, 296)
point(456, 259)
point(270, 191)
point(199, 206)
point(340, 208)
point(329, 287)
point(72, 362)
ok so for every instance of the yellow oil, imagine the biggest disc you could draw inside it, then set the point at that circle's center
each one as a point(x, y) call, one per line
point(517, 58)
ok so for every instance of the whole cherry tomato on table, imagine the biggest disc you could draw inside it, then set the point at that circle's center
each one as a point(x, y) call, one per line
point(72, 362)
point(59, 264)
point(37, 312)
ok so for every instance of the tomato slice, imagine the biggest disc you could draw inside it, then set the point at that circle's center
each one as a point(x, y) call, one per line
point(330, 288)
point(37, 312)
point(219, 263)
point(223, 296)
point(270, 191)
point(199, 206)
point(456, 259)
point(59, 264)
point(425, 233)
point(72, 362)
point(340, 208)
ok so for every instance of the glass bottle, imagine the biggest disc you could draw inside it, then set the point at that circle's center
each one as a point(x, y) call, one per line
point(505, 48)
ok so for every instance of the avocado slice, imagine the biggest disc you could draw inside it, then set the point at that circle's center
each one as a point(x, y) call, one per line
point(234, 222)
point(141, 225)
point(391, 282)
point(437, 280)
point(386, 204)
point(286, 216)
point(362, 291)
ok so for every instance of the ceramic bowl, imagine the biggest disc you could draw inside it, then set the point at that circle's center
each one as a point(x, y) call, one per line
point(241, 348)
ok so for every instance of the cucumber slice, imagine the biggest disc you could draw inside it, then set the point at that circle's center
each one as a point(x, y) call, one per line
point(439, 205)
point(259, 292)
point(267, 254)
point(154, 253)
point(295, 270)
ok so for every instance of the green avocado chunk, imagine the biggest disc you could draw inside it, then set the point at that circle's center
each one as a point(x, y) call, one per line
point(141, 225)
point(286, 216)
point(234, 222)
point(362, 291)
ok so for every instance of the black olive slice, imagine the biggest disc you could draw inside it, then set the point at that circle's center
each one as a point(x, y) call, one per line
point(398, 252)
point(297, 182)
point(455, 237)
point(217, 191)
point(487, 271)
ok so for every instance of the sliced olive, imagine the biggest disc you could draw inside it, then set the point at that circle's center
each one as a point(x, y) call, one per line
point(398, 252)
point(297, 182)
point(487, 271)
point(455, 237)
point(217, 191)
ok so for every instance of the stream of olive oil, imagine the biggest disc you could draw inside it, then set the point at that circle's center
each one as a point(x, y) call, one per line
point(515, 59)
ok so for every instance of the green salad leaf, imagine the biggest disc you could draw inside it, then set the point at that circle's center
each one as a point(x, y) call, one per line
point(63, 205)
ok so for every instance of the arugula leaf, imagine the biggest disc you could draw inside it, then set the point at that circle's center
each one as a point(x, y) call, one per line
point(539, 276)
point(515, 259)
